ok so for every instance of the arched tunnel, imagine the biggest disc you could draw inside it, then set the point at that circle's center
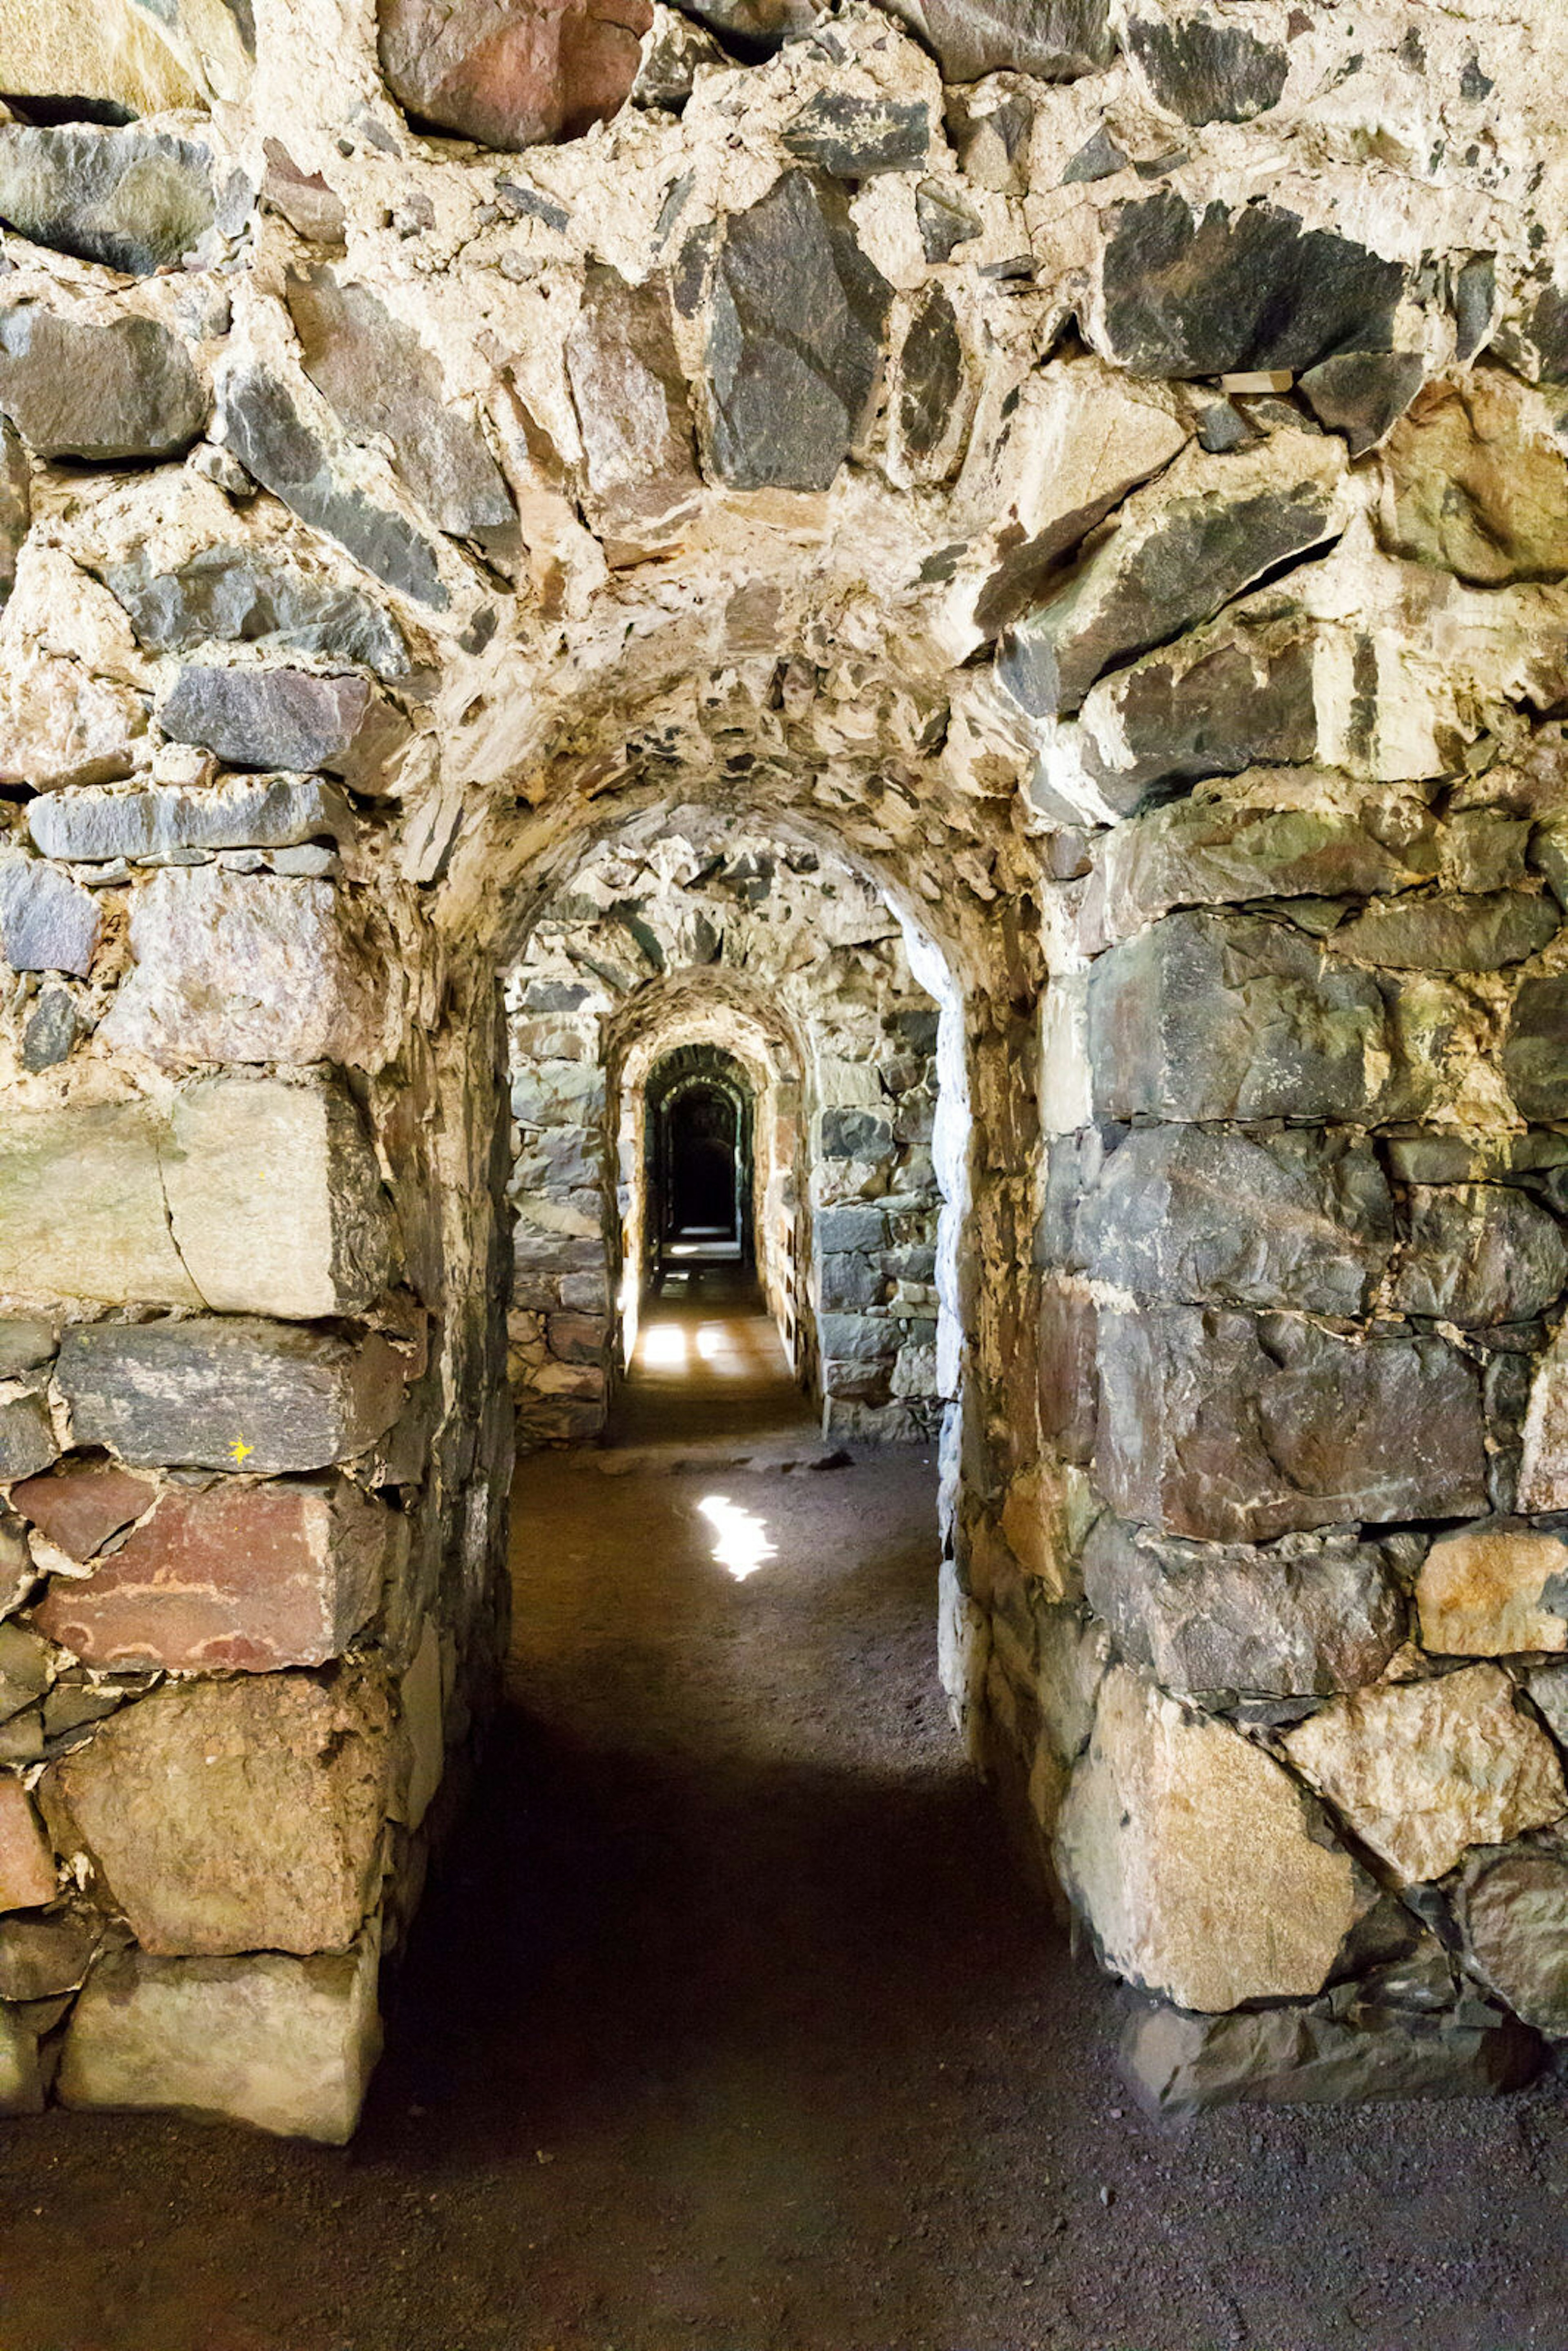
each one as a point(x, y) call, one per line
point(783, 1289)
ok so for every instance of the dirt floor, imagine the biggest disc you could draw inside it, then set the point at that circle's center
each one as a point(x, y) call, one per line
point(727, 2025)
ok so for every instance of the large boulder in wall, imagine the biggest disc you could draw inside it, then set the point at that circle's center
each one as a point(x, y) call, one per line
point(512, 73)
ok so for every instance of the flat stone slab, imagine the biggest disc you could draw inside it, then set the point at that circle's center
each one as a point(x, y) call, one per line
point(284, 2044)
point(232, 1816)
point(238, 1578)
point(229, 1393)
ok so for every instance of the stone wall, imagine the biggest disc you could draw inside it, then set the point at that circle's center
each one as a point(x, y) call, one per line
point(1096, 467)
point(664, 921)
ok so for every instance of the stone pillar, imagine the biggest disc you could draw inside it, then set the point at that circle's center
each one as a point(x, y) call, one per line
point(254, 1485)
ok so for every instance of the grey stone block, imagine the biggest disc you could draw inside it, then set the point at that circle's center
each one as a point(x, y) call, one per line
point(837, 1229)
point(1305, 1618)
point(383, 381)
point(136, 200)
point(284, 2044)
point(794, 339)
point(1232, 1428)
point(1220, 291)
point(244, 595)
point(74, 388)
point(1290, 1219)
point(93, 826)
point(47, 921)
point(1207, 72)
point(1308, 2055)
point(1232, 1017)
point(228, 1393)
point(285, 718)
point(1479, 1255)
point(266, 432)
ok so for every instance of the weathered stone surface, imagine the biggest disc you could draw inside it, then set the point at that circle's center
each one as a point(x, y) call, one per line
point(93, 826)
point(1548, 1686)
point(794, 340)
point(228, 1393)
point(1231, 1017)
point(1067, 1384)
point(247, 968)
point(25, 1667)
point(1452, 932)
point(858, 137)
point(24, 1343)
point(244, 596)
point(1232, 1428)
point(1313, 2057)
point(1307, 1618)
point(74, 388)
point(82, 1211)
point(82, 1503)
point(44, 1955)
point(26, 1439)
point(1288, 1220)
point(1491, 1589)
point(1543, 1469)
point(1480, 1254)
point(516, 74)
point(1535, 1050)
point(946, 221)
point(50, 1030)
point(1516, 1921)
point(121, 54)
point(382, 381)
point(138, 200)
point(231, 1816)
point(1224, 292)
point(284, 2044)
point(1054, 40)
point(47, 921)
point(61, 726)
point(931, 376)
point(1480, 481)
point(1204, 1871)
point(26, 1863)
point(15, 505)
point(234, 1579)
point(1178, 553)
point(287, 718)
point(266, 432)
point(632, 411)
point(1363, 394)
point(1206, 72)
point(22, 2085)
point(275, 1198)
point(1423, 1770)
point(308, 203)
point(1280, 835)
point(1237, 693)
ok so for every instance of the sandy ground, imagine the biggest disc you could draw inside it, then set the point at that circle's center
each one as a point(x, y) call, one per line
point(727, 2024)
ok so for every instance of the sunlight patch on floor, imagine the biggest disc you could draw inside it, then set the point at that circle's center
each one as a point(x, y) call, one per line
point(742, 1544)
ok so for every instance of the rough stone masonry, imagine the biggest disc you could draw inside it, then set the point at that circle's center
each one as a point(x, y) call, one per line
point(1095, 471)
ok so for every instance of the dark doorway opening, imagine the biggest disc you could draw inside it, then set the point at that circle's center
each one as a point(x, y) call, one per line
point(700, 1174)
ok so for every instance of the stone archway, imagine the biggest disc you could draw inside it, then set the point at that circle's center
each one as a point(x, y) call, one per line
point(1008, 458)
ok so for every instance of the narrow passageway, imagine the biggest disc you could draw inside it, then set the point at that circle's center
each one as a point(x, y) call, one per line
point(727, 2024)
point(708, 1362)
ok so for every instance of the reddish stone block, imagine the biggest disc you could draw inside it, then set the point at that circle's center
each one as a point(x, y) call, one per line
point(80, 1505)
point(246, 1578)
point(513, 73)
point(26, 1863)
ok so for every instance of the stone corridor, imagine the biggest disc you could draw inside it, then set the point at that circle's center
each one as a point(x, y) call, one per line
point(938, 629)
point(729, 2024)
